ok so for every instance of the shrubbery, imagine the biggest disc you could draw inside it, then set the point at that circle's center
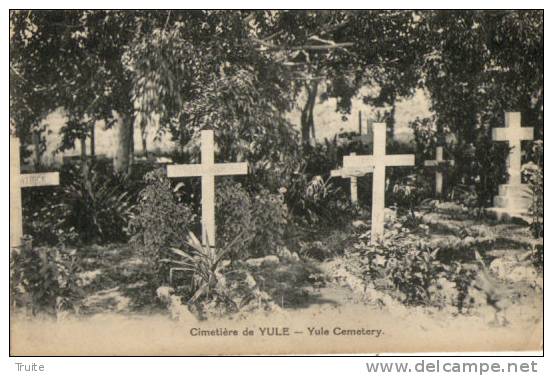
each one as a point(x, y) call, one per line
point(44, 280)
point(95, 209)
point(412, 272)
point(158, 221)
point(532, 173)
point(258, 220)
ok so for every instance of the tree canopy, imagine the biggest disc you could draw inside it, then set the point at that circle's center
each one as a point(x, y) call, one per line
point(241, 71)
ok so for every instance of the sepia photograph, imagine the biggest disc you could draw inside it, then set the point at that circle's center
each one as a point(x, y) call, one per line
point(275, 182)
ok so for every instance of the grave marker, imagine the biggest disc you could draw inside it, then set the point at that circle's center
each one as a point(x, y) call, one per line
point(513, 198)
point(379, 161)
point(440, 164)
point(207, 170)
point(18, 181)
point(352, 174)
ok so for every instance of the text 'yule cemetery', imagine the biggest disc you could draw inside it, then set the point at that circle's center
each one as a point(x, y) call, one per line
point(512, 198)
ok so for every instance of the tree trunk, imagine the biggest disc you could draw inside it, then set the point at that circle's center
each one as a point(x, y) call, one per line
point(392, 120)
point(36, 145)
point(124, 155)
point(93, 140)
point(84, 161)
point(307, 122)
point(143, 135)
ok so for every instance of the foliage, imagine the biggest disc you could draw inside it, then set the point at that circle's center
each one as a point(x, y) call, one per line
point(315, 201)
point(532, 173)
point(488, 167)
point(410, 192)
point(158, 221)
point(95, 209)
point(412, 271)
point(202, 261)
point(45, 280)
point(255, 223)
point(204, 265)
point(98, 207)
point(479, 64)
point(45, 219)
point(479, 169)
point(425, 138)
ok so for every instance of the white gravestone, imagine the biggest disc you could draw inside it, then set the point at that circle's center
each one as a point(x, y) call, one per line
point(208, 169)
point(513, 198)
point(440, 164)
point(352, 174)
point(18, 181)
point(378, 161)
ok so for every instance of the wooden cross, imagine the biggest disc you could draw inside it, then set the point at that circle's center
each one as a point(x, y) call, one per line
point(208, 169)
point(439, 163)
point(18, 181)
point(352, 174)
point(379, 160)
point(514, 134)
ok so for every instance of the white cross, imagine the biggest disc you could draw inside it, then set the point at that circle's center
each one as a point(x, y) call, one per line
point(352, 174)
point(514, 134)
point(208, 169)
point(18, 181)
point(379, 160)
point(439, 163)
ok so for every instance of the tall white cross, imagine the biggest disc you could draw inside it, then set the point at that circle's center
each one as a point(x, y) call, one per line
point(439, 163)
point(379, 160)
point(18, 181)
point(208, 169)
point(514, 134)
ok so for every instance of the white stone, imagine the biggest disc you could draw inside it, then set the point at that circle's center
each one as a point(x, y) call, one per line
point(263, 261)
point(513, 199)
point(523, 273)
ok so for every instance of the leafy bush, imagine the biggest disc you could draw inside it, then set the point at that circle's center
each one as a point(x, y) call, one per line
point(316, 201)
point(479, 169)
point(95, 209)
point(532, 173)
point(408, 193)
point(424, 138)
point(203, 264)
point(45, 217)
point(98, 207)
point(45, 280)
point(212, 285)
point(412, 271)
point(158, 221)
point(254, 223)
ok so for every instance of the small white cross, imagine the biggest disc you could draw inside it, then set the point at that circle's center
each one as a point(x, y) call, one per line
point(18, 181)
point(514, 134)
point(379, 161)
point(352, 174)
point(208, 169)
point(439, 163)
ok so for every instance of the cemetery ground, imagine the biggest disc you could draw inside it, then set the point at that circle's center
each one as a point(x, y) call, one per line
point(474, 278)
